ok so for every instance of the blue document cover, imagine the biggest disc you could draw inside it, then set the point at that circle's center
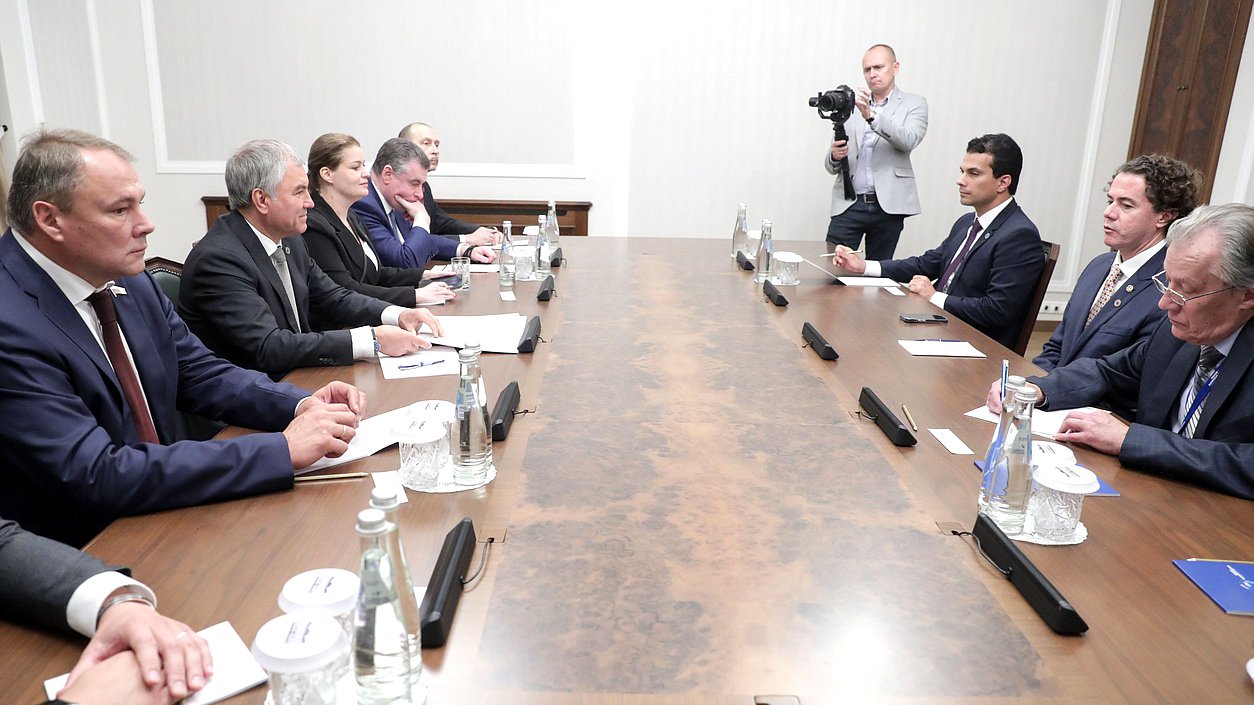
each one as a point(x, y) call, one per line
point(1229, 583)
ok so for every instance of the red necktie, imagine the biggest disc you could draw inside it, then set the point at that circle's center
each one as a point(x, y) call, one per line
point(943, 283)
point(102, 303)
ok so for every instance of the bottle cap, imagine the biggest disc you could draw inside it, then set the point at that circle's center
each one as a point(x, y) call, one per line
point(298, 643)
point(371, 522)
point(384, 498)
point(1026, 394)
point(470, 341)
point(326, 591)
point(1071, 479)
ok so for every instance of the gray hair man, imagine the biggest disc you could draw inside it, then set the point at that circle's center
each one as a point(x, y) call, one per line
point(1192, 381)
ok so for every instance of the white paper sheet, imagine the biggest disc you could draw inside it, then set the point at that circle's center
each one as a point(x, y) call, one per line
point(868, 281)
point(894, 290)
point(1044, 423)
point(952, 442)
point(475, 268)
point(940, 348)
point(373, 435)
point(498, 333)
point(234, 668)
point(424, 363)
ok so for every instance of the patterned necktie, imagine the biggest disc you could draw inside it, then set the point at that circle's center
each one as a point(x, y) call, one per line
point(1207, 361)
point(102, 304)
point(280, 265)
point(947, 278)
point(1108, 288)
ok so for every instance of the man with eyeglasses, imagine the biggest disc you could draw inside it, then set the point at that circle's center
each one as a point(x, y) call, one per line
point(1114, 303)
point(1192, 381)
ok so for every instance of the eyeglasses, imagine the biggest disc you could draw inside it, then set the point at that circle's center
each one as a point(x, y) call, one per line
point(1176, 297)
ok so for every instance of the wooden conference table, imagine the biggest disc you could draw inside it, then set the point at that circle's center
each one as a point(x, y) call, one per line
point(693, 515)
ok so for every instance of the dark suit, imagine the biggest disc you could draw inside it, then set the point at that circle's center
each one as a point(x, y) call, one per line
point(1131, 313)
point(71, 458)
point(1150, 376)
point(992, 288)
point(419, 247)
point(341, 255)
point(38, 576)
point(441, 222)
point(233, 299)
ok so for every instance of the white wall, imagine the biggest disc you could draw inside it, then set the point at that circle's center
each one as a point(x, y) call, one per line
point(662, 114)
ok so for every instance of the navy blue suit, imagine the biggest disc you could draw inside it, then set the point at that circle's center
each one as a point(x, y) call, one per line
point(71, 457)
point(1131, 314)
point(1150, 376)
point(419, 247)
point(993, 287)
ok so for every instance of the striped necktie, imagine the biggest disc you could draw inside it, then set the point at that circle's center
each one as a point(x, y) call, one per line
point(1207, 362)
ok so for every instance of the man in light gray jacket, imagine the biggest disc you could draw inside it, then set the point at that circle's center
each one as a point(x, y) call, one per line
point(887, 125)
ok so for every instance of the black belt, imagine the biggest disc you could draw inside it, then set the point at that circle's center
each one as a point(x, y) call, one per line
point(865, 197)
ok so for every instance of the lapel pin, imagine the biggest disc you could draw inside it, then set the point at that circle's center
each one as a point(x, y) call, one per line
point(1129, 288)
point(1117, 302)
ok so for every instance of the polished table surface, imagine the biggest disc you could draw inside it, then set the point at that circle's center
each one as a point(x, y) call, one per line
point(693, 514)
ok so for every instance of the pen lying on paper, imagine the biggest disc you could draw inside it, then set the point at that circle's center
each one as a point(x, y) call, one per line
point(937, 340)
point(852, 252)
point(416, 365)
point(338, 476)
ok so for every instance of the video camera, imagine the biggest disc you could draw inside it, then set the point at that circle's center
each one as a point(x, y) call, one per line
point(835, 105)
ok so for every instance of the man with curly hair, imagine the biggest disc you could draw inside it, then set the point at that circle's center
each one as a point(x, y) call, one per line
point(1114, 303)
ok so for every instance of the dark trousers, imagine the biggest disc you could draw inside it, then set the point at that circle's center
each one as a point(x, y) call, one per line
point(882, 229)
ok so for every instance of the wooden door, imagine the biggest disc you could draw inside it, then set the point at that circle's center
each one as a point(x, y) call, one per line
point(1187, 82)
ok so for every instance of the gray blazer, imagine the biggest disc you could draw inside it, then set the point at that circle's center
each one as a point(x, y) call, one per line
point(901, 126)
point(38, 575)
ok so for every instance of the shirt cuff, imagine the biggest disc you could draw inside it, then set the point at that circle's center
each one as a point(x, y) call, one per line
point(391, 316)
point(363, 343)
point(872, 269)
point(938, 299)
point(462, 238)
point(88, 598)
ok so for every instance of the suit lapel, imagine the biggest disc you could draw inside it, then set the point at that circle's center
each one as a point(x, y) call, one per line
point(1170, 385)
point(1123, 296)
point(54, 306)
point(1233, 370)
point(986, 235)
point(244, 233)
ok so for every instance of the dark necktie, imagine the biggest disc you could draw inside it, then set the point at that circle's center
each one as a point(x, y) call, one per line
point(947, 278)
point(280, 265)
point(102, 304)
point(1207, 361)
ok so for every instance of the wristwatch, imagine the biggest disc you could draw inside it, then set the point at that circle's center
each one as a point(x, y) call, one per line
point(377, 348)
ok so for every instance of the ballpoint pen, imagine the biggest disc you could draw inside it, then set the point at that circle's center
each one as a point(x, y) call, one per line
point(909, 418)
point(851, 252)
point(937, 340)
point(416, 365)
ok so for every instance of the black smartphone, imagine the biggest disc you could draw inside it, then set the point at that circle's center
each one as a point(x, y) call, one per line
point(923, 318)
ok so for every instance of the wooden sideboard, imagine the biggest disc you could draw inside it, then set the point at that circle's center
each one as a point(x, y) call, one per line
point(572, 216)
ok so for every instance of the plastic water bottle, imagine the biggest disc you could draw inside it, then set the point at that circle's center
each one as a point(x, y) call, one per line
point(471, 444)
point(740, 233)
point(766, 251)
point(543, 265)
point(386, 501)
point(380, 642)
point(506, 260)
point(988, 484)
point(1012, 481)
